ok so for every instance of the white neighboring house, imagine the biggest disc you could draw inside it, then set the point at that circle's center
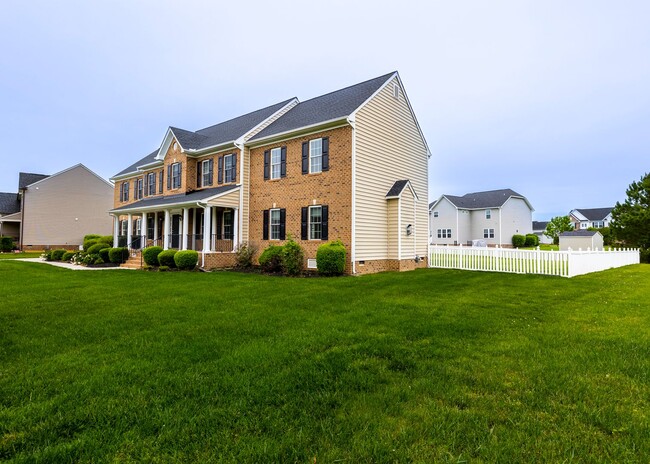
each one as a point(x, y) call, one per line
point(594, 217)
point(581, 240)
point(538, 229)
point(493, 216)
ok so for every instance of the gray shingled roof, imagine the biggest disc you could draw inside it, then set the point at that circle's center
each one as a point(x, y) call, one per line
point(191, 197)
point(540, 225)
point(579, 233)
point(595, 214)
point(218, 134)
point(478, 200)
point(397, 188)
point(27, 178)
point(334, 105)
point(9, 203)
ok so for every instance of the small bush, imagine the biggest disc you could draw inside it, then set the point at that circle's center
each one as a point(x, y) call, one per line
point(89, 243)
point(67, 256)
point(90, 259)
point(166, 258)
point(186, 260)
point(104, 254)
point(57, 254)
point(106, 239)
point(6, 244)
point(532, 240)
point(99, 260)
point(150, 255)
point(518, 241)
point(244, 255)
point(47, 255)
point(645, 255)
point(94, 250)
point(118, 255)
point(91, 237)
point(271, 259)
point(78, 257)
point(292, 258)
point(330, 259)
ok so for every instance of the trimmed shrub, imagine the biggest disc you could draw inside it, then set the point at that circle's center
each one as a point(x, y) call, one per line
point(150, 255)
point(163, 269)
point(94, 250)
point(99, 260)
point(244, 255)
point(104, 254)
point(271, 259)
point(330, 258)
point(67, 256)
point(91, 237)
point(532, 240)
point(106, 239)
point(89, 243)
point(518, 241)
point(292, 258)
point(90, 259)
point(57, 254)
point(186, 259)
point(166, 258)
point(47, 255)
point(6, 243)
point(78, 257)
point(118, 255)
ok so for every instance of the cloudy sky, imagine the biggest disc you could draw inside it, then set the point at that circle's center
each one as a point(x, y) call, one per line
point(551, 99)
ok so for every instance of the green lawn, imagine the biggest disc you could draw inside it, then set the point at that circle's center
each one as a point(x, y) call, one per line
point(425, 366)
point(26, 254)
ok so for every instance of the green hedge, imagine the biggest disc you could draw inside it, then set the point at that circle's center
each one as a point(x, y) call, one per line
point(67, 256)
point(292, 258)
point(271, 259)
point(6, 243)
point(91, 237)
point(166, 258)
point(330, 258)
point(186, 260)
point(518, 241)
point(150, 255)
point(93, 250)
point(104, 253)
point(118, 255)
point(58, 254)
point(532, 240)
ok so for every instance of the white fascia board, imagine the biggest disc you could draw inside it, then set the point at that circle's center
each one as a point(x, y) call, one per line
point(144, 167)
point(241, 140)
point(167, 141)
point(518, 197)
point(299, 131)
point(578, 215)
point(209, 150)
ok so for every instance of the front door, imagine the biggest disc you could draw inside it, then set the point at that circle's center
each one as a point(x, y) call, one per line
point(176, 231)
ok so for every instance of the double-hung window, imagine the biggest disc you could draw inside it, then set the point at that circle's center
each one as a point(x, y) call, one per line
point(435, 214)
point(124, 227)
point(444, 233)
point(315, 223)
point(315, 156)
point(276, 163)
point(207, 172)
point(124, 191)
point(488, 213)
point(488, 233)
point(274, 224)
point(229, 168)
point(138, 192)
point(176, 175)
point(151, 183)
point(227, 225)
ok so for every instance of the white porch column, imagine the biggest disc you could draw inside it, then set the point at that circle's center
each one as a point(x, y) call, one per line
point(186, 221)
point(129, 230)
point(194, 228)
point(207, 220)
point(214, 235)
point(155, 227)
point(235, 229)
point(143, 230)
point(116, 229)
point(166, 228)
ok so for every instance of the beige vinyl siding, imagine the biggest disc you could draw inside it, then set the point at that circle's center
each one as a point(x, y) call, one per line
point(228, 200)
point(447, 219)
point(392, 228)
point(63, 208)
point(408, 211)
point(516, 218)
point(388, 147)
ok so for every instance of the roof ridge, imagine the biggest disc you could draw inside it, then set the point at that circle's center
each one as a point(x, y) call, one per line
point(245, 114)
point(348, 87)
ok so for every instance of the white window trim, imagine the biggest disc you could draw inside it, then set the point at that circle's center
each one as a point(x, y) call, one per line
point(149, 179)
point(278, 164)
point(178, 175)
point(279, 224)
point(488, 214)
point(309, 223)
point(314, 157)
point(435, 214)
point(205, 172)
point(227, 171)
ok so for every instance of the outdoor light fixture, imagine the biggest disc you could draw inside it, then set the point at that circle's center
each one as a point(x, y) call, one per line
point(409, 229)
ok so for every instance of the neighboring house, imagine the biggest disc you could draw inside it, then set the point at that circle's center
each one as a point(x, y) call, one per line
point(350, 165)
point(594, 217)
point(539, 227)
point(493, 216)
point(57, 211)
point(10, 215)
point(581, 240)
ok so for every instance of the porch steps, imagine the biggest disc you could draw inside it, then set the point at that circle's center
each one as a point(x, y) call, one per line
point(134, 261)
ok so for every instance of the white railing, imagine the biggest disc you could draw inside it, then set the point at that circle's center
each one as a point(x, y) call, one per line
point(559, 263)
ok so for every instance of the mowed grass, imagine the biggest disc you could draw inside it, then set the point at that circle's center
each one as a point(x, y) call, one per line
point(425, 366)
point(26, 254)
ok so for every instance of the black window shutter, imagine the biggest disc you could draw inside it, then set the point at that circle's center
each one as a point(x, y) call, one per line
point(154, 184)
point(161, 181)
point(145, 181)
point(326, 154)
point(265, 226)
point(126, 187)
point(325, 223)
point(211, 174)
point(122, 192)
point(233, 169)
point(305, 157)
point(220, 174)
point(283, 220)
point(219, 226)
point(283, 162)
point(199, 166)
point(304, 218)
point(169, 177)
point(267, 164)
point(180, 174)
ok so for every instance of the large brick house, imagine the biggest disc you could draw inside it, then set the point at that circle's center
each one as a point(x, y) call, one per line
point(350, 165)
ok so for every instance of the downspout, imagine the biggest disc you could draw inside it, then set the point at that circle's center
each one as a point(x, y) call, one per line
point(194, 219)
point(22, 217)
point(353, 252)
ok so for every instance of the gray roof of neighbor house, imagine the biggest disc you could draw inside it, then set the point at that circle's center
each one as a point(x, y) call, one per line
point(579, 233)
point(328, 107)
point(479, 200)
point(540, 225)
point(595, 214)
point(27, 178)
point(397, 188)
point(190, 197)
point(9, 203)
point(218, 134)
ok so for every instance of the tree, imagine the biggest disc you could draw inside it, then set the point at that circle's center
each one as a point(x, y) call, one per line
point(556, 226)
point(631, 219)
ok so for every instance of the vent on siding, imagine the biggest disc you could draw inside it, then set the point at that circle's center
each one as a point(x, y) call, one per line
point(395, 90)
point(311, 263)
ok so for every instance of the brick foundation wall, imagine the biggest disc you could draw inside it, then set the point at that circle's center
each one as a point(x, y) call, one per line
point(382, 265)
point(218, 260)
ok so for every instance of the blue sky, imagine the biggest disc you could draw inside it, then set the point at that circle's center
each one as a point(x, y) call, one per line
point(551, 99)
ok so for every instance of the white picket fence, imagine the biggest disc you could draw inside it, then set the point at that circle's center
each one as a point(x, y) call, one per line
point(559, 263)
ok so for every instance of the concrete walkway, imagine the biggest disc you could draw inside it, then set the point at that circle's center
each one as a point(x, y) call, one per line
point(74, 267)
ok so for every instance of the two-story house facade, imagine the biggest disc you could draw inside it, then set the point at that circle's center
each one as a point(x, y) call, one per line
point(350, 165)
point(586, 218)
point(493, 217)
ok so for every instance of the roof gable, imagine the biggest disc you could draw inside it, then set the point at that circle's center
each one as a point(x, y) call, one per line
point(593, 214)
point(26, 179)
point(398, 187)
point(482, 200)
